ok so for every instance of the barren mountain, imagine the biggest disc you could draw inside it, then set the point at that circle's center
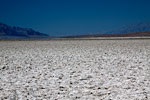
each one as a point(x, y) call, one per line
point(7, 31)
point(138, 27)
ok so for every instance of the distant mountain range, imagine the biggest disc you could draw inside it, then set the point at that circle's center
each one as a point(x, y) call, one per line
point(136, 34)
point(139, 27)
point(133, 30)
point(12, 32)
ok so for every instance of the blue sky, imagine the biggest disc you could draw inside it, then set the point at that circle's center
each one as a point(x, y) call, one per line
point(67, 17)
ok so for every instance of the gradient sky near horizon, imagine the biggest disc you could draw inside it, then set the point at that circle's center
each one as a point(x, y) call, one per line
point(68, 17)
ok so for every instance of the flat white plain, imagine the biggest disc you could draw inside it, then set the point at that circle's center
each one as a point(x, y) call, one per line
point(71, 69)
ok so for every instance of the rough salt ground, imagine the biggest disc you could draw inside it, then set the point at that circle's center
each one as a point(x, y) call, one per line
point(70, 70)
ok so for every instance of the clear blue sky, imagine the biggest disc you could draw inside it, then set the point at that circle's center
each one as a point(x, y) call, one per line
point(73, 16)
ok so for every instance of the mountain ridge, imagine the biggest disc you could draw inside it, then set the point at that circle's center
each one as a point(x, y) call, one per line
point(132, 28)
point(7, 31)
point(13, 32)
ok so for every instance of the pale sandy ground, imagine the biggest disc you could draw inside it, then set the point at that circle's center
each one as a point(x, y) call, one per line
point(75, 70)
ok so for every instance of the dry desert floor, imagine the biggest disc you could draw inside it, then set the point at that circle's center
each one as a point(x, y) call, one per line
point(75, 70)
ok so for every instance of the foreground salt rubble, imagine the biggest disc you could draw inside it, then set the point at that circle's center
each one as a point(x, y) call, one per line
point(75, 70)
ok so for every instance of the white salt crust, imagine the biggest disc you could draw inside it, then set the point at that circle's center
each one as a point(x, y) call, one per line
point(75, 70)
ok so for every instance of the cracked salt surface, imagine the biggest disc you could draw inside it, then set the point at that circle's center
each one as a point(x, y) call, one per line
point(75, 70)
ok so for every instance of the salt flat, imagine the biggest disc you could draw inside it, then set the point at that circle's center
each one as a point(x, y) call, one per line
point(75, 70)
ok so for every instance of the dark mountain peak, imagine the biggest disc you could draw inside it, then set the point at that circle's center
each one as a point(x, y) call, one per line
point(2, 23)
point(13, 31)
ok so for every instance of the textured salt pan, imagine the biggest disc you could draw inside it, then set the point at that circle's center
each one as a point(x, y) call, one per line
point(70, 70)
